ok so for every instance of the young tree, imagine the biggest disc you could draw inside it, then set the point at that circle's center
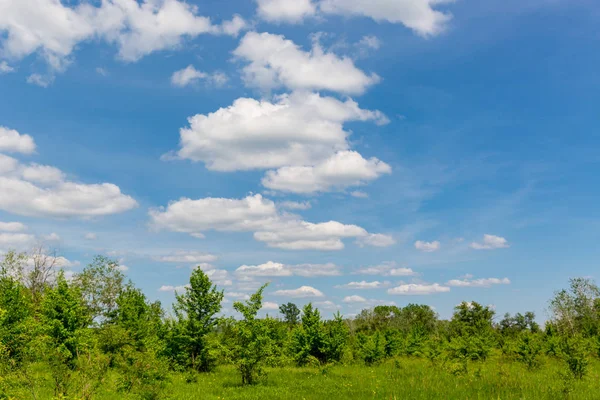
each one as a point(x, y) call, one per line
point(291, 313)
point(308, 340)
point(577, 310)
point(196, 311)
point(471, 331)
point(253, 342)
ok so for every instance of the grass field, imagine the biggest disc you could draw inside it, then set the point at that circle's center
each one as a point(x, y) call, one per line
point(396, 379)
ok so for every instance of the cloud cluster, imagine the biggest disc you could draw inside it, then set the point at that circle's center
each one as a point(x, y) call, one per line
point(44, 191)
point(417, 15)
point(253, 214)
point(301, 292)
point(363, 285)
point(385, 269)
point(427, 247)
point(53, 28)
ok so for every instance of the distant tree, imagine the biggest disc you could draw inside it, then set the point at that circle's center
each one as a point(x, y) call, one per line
point(290, 312)
point(196, 311)
point(308, 340)
point(252, 339)
point(577, 310)
point(336, 338)
point(471, 330)
point(101, 283)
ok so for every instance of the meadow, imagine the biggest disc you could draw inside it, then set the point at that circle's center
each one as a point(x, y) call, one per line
point(94, 336)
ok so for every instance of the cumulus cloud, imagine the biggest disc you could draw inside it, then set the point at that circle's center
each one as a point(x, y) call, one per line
point(418, 15)
point(301, 292)
point(413, 289)
point(363, 285)
point(219, 276)
point(386, 269)
point(376, 240)
point(19, 241)
point(269, 305)
point(341, 170)
point(190, 75)
point(326, 305)
point(12, 141)
point(253, 214)
point(296, 129)
point(53, 29)
point(285, 10)
point(277, 269)
point(275, 62)
point(44, 191)
point(490, 242)
point(427, 247)
point(12, 227)
point(189, 257)
point(354, 299)
point(482, 282)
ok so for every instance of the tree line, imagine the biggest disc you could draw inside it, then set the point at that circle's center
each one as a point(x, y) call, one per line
point(79, 328)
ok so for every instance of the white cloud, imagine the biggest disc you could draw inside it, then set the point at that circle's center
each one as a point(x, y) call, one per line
point(268, 269)
point(190, 76)
point(370, 42)
point(67, 199)
point(5, 68)
point(341, 170)
point(219, 277)
point(138, 28)
point(376, 240)
point(101, 71)
point(326, 305)
point(122, 268)
point(187, 257)
point(490, 242)
point(14, 142)
point(295, 205)
point(354, 299)
point(90, 236)
point(386, 269)
point(418, 15)
point(38, 190)
point(483, 282)
point(427, 247)
point(253, 214)
point(275, 62)
point(40, 80)
point(293, 11)
point(268, 305)
point(12, 227)
point(18, 241)
point(360, 195)
point(413, 289)
point(169, 288)
point(298, 129)
point(237, 295)
point(43, 174)
point(301, 292)
point(277, 269)
point(52, 237)
point(363, 285)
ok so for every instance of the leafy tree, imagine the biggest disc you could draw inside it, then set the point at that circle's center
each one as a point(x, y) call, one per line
point(577, 310)
point(253, 342)
point(371, 348)
point(336, 338)
point(65, 319)
point(196, 311)
point(472, 334)
point(16, 307)
point(308, 340)
point(291, 313)
point(101, 283)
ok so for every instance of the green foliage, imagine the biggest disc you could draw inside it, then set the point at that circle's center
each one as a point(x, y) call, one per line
point(528, 349)
point(308, 340)
point(290, 313)
point(253, 342)
point(196, 311)
point(575, 351)
point(472, 334)
point(577, 310)
point(371, 349)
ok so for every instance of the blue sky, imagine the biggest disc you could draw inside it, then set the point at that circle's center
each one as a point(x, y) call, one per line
point(357, 150)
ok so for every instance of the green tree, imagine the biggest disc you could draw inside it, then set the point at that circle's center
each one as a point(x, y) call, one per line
point(308, 340)
point(196, 311)
point(101, 283)
point(291, 313)
point(577, 310)
point(471, 329)
point(252, 339)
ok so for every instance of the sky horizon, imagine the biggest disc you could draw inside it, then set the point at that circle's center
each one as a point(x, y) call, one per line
point(352, 153)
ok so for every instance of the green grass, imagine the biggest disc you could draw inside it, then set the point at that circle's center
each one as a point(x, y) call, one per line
point(402, 379)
